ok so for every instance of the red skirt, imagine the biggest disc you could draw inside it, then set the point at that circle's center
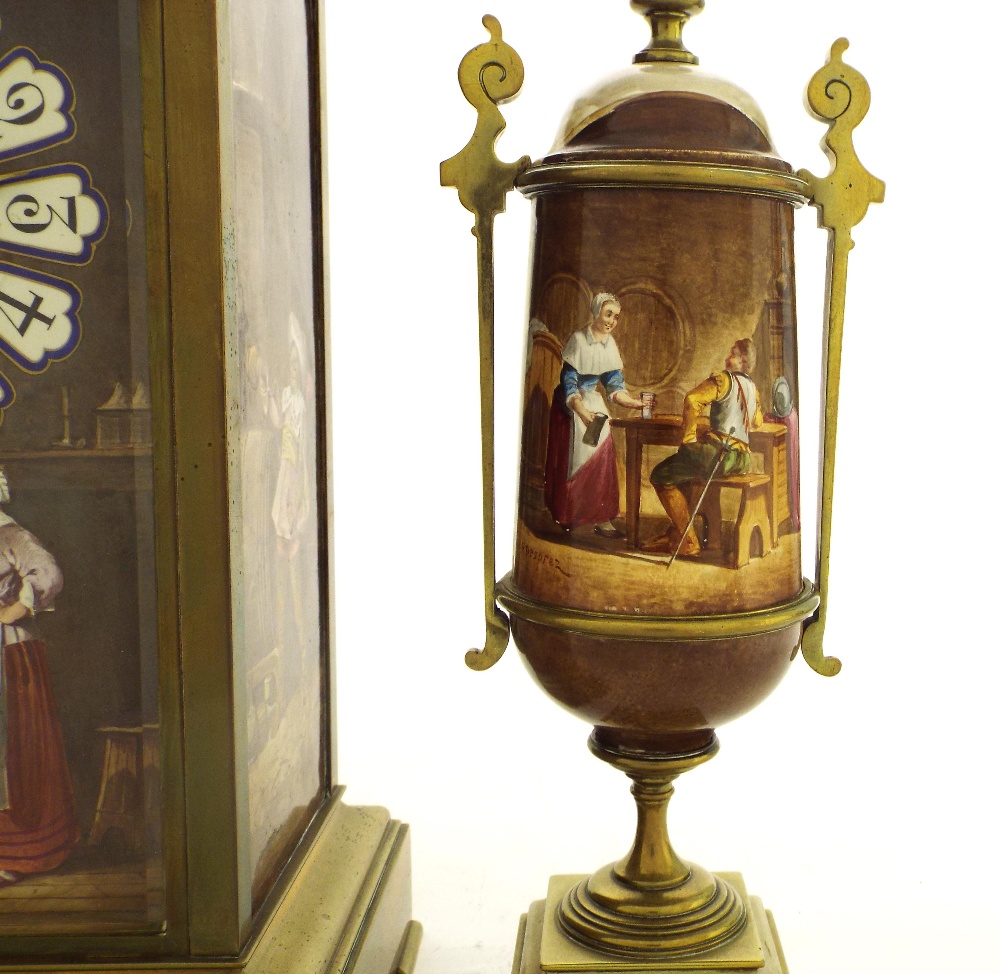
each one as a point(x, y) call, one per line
point(39, 828)
point(591, 495)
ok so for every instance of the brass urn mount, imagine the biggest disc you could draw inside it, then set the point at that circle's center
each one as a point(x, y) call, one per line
point(657, 590)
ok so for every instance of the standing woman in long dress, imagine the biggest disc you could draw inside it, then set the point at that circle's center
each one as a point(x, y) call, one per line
point(581, 478)
point(38, 824)
point(290, 509)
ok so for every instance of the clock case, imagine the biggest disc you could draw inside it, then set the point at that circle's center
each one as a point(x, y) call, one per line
point(338, 897)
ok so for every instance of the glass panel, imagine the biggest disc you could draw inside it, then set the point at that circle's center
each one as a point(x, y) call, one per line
point(80, 826)
point(274, 467)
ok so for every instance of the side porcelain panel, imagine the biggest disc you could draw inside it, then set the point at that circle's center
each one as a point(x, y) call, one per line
point(275, 471)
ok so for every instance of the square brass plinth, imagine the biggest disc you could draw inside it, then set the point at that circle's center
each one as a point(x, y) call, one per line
point(543, 947)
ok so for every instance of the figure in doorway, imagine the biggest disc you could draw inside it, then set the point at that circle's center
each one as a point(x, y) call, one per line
point(291, 506)
point(734, 410)
point(581, 477)
point(38, 824)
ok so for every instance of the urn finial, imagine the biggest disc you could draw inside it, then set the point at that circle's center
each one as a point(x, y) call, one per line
point(666, 20)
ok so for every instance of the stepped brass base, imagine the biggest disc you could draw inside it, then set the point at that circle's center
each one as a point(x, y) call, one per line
point(608, 913)
point(347, 910)
point(543, 946)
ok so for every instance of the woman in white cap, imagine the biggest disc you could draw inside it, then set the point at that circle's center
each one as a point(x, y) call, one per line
point(38, 824)
point(581, 476)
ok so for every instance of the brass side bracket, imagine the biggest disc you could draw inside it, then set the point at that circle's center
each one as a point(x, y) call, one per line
point(840, 96)
point(489, 75)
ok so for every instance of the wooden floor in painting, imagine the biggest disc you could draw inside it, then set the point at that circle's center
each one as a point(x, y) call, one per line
point(560, 566)
point(85, 893)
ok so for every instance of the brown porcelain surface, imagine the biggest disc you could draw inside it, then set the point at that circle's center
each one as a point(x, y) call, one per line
point(655, 688)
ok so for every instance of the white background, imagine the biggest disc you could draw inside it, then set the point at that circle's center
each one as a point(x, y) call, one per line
point(861, 809)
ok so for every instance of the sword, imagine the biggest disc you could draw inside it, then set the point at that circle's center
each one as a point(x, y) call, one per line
point(697, 507)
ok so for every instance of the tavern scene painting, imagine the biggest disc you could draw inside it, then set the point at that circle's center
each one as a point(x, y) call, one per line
point(80, 802)
point(660, 436)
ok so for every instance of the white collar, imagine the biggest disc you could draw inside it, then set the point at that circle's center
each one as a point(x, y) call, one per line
point(592, 339)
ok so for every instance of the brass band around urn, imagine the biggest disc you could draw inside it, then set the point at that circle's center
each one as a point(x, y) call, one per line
point(657, 590)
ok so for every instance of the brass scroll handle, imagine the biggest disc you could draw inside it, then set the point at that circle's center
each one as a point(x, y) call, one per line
point(489, 75)
point(840, 96)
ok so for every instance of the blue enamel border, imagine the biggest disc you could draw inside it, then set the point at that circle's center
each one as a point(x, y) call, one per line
point(67, 113)
point(73, 314)
point(7, 394)
point(91, 241)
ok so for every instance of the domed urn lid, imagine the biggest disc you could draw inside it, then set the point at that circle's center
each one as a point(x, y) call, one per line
point(664, 111)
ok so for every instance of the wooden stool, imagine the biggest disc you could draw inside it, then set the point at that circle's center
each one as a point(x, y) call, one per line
point(752, 514)
point(129, 782)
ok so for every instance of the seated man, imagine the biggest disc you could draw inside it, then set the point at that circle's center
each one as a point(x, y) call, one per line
point(735, 411)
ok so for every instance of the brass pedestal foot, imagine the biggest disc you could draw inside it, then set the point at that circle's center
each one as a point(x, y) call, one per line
point(544, 948)
point(606, 913)
point(650, 912)
point(652, 904)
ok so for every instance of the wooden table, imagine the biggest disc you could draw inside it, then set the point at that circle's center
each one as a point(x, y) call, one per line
point(769, 441)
